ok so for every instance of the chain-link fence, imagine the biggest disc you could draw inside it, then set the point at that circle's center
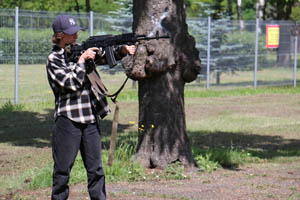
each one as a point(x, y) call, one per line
point(246, 53)
point(35, 33)
point(233, 53)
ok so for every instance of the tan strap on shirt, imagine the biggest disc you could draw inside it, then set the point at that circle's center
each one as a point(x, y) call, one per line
point(101, 90)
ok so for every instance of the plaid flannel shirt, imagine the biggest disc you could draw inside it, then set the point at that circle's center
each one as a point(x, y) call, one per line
point(74, 98)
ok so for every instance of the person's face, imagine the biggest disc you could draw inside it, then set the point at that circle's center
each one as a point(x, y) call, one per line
point(69, 39)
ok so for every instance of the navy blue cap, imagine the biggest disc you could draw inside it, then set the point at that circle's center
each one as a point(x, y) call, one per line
point(66, 24)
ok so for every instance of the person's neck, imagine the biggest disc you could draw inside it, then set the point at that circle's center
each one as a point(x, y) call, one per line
point(61, 45)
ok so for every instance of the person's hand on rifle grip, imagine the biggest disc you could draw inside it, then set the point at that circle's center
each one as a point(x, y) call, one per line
point(88, 54)
point(128, 49)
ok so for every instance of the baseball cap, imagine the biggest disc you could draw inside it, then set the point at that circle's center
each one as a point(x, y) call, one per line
point(66, 24)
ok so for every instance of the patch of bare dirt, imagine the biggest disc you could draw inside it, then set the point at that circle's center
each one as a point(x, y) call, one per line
point(260, 181)
point(264, 181)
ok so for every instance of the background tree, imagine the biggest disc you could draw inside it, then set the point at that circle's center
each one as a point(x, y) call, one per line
point(281, 10)
point(295, 16)
point(162, 68)
point(249, 9)
point(194, 8)
point(87, 6)
point(218, 9)
point(240, 13)
point(229, 8)
point(260, 8)
point(102, 6)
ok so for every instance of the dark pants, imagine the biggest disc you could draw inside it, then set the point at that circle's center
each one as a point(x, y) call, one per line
point(68, 138)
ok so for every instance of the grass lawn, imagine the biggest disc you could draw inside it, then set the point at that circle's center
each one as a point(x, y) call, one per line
point(228, 127)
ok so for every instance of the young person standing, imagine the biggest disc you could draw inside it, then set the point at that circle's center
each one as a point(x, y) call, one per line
point(77, 111)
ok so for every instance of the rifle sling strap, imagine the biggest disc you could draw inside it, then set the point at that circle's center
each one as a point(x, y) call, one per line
point(101, 90)
point(100, 87)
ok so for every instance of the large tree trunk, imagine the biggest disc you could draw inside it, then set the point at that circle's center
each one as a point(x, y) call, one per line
point(284, 52)
point(284, 10)
point(162, 67)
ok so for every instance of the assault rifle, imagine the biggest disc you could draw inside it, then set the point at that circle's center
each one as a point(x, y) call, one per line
point(107, 42)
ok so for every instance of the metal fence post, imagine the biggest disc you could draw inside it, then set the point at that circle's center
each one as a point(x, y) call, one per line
point(295, 54)
point(16, 54)
point(256, 52)
point(208, 52)
point(91, 23)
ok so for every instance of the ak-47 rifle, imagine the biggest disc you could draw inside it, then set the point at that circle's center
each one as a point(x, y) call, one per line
point(107, 43)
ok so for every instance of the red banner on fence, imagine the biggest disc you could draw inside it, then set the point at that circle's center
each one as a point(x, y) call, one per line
point(272, 36)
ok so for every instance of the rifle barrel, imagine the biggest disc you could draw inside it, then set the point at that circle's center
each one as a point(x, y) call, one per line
point(142, 37)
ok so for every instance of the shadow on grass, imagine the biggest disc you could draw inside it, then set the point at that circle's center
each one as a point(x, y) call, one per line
point(23, 128)
point(262, 146)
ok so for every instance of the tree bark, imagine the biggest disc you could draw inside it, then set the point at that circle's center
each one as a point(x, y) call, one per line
point(240, 14)
point(260, 6)
point(162, 67)
point(284, 52)
point(229, 8)
point(87, 6)
point(283, 12)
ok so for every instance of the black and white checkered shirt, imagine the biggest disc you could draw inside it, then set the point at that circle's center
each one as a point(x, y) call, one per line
point(72, 90)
